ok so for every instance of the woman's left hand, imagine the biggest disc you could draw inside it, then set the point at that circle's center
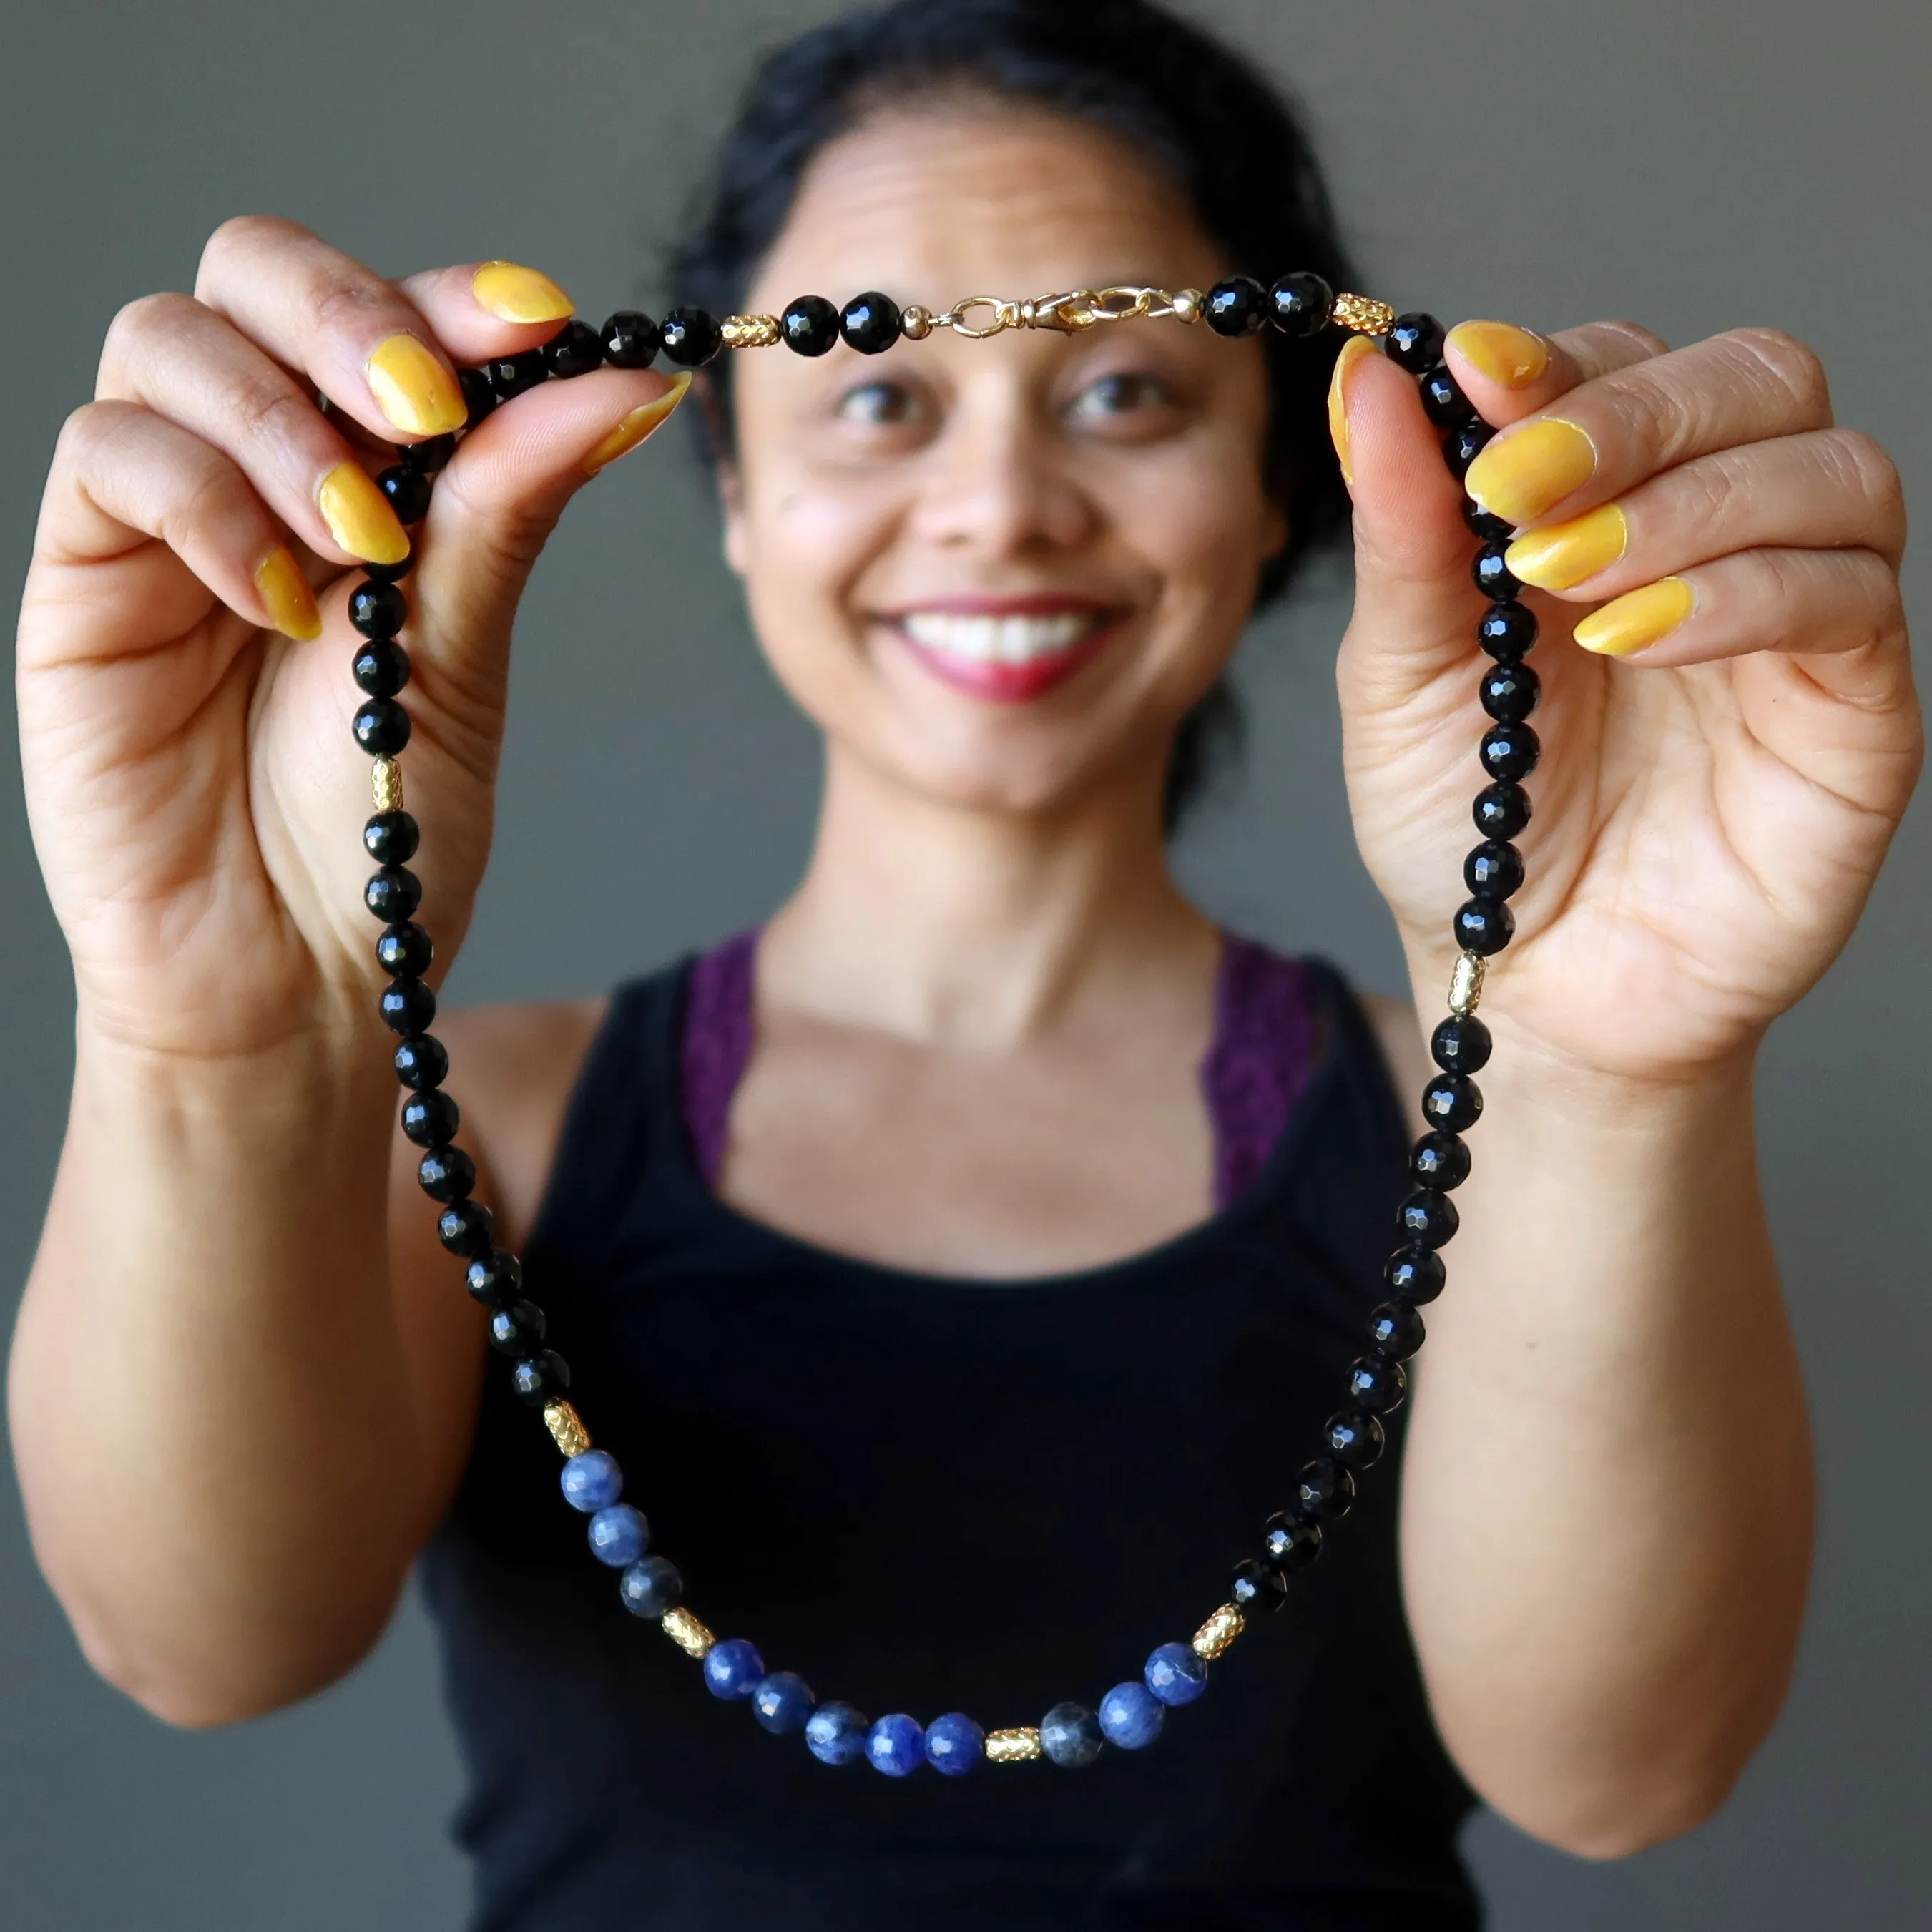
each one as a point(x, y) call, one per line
point(1731, 737)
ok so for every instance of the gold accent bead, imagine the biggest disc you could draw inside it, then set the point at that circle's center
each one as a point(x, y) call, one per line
point(566, 1428)
point(1014, 1746)
point(915, 322)
point(749, 331)
point(686, 1632)
point(385, 784)
point(1465, 984)
point(1218, 1631)
point(1187, 304)
point(1363, 313)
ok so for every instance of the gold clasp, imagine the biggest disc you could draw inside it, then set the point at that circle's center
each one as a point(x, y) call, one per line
point(1006, 315)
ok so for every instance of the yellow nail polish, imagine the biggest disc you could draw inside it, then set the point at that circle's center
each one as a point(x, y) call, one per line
point(1352, 351)
point(1567, 553)
point(285, 595)
point(1499, 350)
point(512, 293)
point(1529, 470)
point(417, 393)
point(358, 516)
point(632, 429)
point(1637, 619)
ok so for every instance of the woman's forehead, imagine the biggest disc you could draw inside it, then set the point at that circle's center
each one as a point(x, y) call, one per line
point(959, 198)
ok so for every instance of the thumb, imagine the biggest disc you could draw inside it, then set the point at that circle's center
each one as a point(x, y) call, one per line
point(1415, 603)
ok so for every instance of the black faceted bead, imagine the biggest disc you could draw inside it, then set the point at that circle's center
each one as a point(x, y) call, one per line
point(1443, 401)
point(389, 573)
point(1507, 632)
point(390, 838)
point(1460, 1044)
point(1236, 306)
point(1510, 750)
point(690, 336)
point(430, 1120)
point(1428, 1217)
point(479, 393)
point(542, 1378)
point(465, 1228)
point(1257, 1586)
point(1355, 1438)
point(631, 340)
point(512, 375)
point(870, 323)
point(382, 728)
point(1414, 342)
point(575, 349)
point(430, 456)
point(1324, 1491)
point(422, 1063)
point(1070, 1736)
point(809, 326)
point(1452, 1103)
point(447, 1174)
point(393, 894)
point(1486, 523)
point(1501, 811)
point(407, 491)
point(382, 666)
point(1492, 575)
point(1417, 1274)
point(1377, 1383)
point(495, 1276)
point(1483, 926)
point(1396, 1329)
point(404, 950)
point(1509, 693)
point(1493, 870)
point(409, 1007)
point(517, 1328)
point(1292, 1542)
point(1440, 1160)
point(1464, 444)
point(1298, 304)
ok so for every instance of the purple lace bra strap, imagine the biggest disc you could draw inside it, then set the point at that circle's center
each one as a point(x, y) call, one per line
point(714, 1045)
point(1257, 1063)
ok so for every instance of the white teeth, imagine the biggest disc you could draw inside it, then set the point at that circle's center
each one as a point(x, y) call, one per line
point(1013, 640)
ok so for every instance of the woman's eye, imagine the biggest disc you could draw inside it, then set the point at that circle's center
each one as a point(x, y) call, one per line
point(1114, 396)
point(882, 404)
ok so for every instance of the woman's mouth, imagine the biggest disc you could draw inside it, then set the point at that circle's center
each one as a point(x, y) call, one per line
point(1006, 652)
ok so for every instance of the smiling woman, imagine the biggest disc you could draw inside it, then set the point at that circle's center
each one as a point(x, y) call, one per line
point(956, 1263)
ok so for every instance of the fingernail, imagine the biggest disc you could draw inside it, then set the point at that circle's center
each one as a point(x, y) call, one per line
point(1531, 470)
point(1637, 619)
point(1353, 350)
point(512, 293)
point(417, 393)
point(1504, 353)
point(285, 595)
point(632, 429)
point(358, 516)
point(1567, 553)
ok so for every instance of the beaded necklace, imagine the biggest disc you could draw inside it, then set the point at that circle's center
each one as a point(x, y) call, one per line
point(1130, 1715)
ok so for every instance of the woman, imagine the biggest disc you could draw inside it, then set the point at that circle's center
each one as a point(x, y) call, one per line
point(952, 1343)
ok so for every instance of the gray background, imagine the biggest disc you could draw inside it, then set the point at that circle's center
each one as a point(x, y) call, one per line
point(1694, 165)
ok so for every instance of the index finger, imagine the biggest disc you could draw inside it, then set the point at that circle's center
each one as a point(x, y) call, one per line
point(1509, 373)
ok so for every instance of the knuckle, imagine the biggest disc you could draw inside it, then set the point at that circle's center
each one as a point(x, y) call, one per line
point(242, 234)
point(269, 412)
point(1869, 470)
point(1795, 367)
point(345, 302)
point(143, 321)
point(1648, 340)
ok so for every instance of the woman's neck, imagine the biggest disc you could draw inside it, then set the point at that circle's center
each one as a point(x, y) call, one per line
point(978, 929)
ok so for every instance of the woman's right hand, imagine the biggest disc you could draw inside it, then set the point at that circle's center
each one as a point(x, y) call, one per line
point(184, 691)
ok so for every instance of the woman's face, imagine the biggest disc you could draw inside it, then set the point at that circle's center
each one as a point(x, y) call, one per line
point(997, 572)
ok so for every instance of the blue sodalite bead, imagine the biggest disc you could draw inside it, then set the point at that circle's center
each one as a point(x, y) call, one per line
point(782, 1702)
point(732, 1668)
point(651, 1588)
point(954, 1744)
point(835, 1734)
point(619, 1536)
point(896, 1745)
point(1070, 1734)
point(1175, 1675)
point(592, 1481)
point(1130, 1716)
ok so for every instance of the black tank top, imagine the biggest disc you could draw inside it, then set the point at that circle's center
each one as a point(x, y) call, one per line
point(925, 1494)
